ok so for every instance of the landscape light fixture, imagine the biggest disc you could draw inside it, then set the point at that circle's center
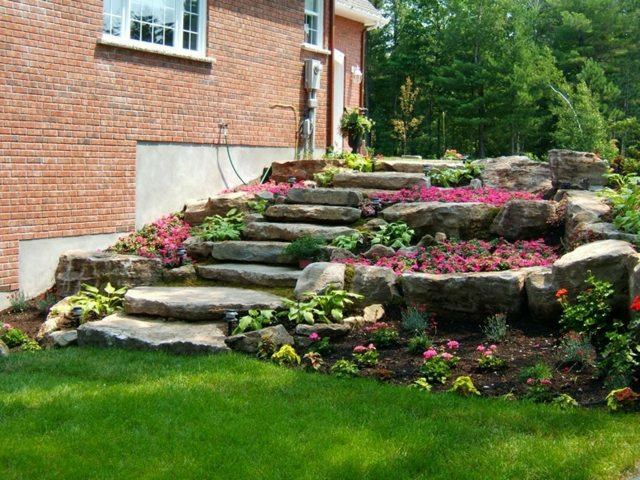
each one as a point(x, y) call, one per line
point(231, 317)
point(182, 255)
point(356, 72)
point(292, 181)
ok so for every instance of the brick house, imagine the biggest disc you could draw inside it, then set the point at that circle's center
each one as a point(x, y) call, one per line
point(115, 111)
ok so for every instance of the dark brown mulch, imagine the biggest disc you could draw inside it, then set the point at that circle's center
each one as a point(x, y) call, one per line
point(28, 321)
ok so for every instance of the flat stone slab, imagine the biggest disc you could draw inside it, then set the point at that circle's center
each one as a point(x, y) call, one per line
point(325, 196)
point(380, 180)
point(251, 274)
point(516, 173)
point(313, 214)
point(196, 303)
point(290, 231)
point(142, 333)
point(473, 294)
point(251, 252)
point(406, 165)
point(465, 220)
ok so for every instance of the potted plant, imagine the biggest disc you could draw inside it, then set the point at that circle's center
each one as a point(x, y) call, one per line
point(306, 250)
point(355, 127)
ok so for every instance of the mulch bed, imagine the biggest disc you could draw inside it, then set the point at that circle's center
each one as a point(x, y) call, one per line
point(29, 321)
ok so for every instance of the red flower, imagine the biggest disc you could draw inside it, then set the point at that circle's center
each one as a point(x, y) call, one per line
point(635, 304)
point(563, 292)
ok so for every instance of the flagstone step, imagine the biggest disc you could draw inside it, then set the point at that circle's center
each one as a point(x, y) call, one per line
point(379, 180)
point(290, 231)
point(251, 274)
point(313, 214)
point(146, 333)
point(195, 303)
point(416, 166)
point(251, 252)
point(325, 196)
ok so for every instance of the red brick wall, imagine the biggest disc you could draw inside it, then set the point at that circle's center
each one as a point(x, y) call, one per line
point(349, 41)
point(73, 110)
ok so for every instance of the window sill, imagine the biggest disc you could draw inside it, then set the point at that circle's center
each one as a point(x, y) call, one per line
point(315, 49)
point(141, 47)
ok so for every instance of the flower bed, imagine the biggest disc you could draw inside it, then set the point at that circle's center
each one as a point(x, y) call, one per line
point(271, 187)
point(162, 238)
point(490, 196)
point(467, 256)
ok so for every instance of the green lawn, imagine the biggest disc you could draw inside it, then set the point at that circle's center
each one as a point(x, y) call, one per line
point(91, 414)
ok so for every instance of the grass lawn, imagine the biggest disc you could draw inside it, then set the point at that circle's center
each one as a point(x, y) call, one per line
point(98, 414)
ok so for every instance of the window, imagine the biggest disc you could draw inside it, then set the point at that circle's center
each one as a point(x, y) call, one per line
point(171, 24)
point(313, 17)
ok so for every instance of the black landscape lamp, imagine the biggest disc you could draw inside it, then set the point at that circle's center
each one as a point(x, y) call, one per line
point(76, 314)
point(231, 317)
point(377, 205)
point(182, 255)
point(427, 171)
point(291, 181)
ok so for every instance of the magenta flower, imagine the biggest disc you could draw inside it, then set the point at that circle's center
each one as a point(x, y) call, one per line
point(314, 337)
point(447, 356)
point(429, 354)
point(530, 381)
point(480, 348)
point(360, 349)
point(6, 326)
point(453, 345)
point(545, 382)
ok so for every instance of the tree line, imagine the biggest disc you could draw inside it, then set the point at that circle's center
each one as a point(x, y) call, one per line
point(496, 77)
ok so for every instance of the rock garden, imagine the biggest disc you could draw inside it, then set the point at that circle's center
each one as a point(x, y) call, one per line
point(500, 277)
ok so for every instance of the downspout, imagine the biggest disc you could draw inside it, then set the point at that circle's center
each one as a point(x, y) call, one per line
point(363, 66)
point(330, 81)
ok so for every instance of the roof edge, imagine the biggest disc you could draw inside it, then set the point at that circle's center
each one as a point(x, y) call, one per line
point(370, 20)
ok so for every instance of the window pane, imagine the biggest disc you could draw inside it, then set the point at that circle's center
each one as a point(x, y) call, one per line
point(190, 24)
point(153, 21)
point(112, 17)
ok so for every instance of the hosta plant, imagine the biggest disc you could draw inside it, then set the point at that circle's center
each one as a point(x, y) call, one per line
point(96, 303)
point(394, 235)
point(349, 242)
point(254, 320)
point(344, 368)
point(218, 228)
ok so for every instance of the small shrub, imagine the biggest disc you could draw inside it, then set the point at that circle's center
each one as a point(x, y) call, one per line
point(437, 366)
point(18, 302)
point(30, 346)
point(419, 343)
point(258, 205)
point(45, 303)
point(96, 303)
point(218, 228)
point(394, 235)
point(255, 320)
point(576, 349)
point(416, 320)
point(12, 337)
point(302, 312)
point(565, 402)
point(538, 381)
point(325, 177)
point(619, 359)
point(622, 399)
point(366, 356)
point(625, 199)
point(286, 356)
point(313, 361)
point(495, 327)
point(344, 368)
point(464, 387)
point(382, 334)
point(421, 384)
point(488, 360)
point(306, 248)
point(349, 242)
point(539, 371)
point(321, 345)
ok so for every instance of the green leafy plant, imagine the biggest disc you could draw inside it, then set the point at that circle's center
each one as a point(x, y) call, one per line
point(576, 350)
point(464, 387)
point(454, 177)
point(349, 242)
point(344, 368)
point(489, 361)
point(625, 200)
point(321, 345)
point(619, 359)
point(421, 384)
point(258, 205)
point(313, 361)
point(622, 399)
point(46, 302)
point(395, 235)
point(355, 127)
point(96, 303)
point(416, 320)
point(286, 356)
point(419, 343)
point(18, 303)
point(539, 371)
point(565, 402)
point(366, 356)
point(30, 346)
point(218, 228)
point(333, 303)
point(306, 248)
point(436, 370)
point(324, 178)
point(266, 347)
point(302, 312)
point(382, 334)
point(12, 337)
point(495, 327)
point(255, 320)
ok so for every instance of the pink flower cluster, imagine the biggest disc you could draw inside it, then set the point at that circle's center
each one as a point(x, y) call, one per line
point(545, 382)
point(446, 356)
point(490, 196)
point(162, 238)
point(270, 186)
point(314, 337)
point(487, 351)
point(364, 349)
point(374, 327)
point(467, 256)
point(6, 326)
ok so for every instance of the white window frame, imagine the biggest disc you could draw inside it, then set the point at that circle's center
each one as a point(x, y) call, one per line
point(125, 31)
point(320, 16)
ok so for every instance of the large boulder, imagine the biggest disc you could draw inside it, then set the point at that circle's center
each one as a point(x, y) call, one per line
point(541, 295)
point(196, 211)
point(57, 319)
point(610, 260)
point(516, 173)
point(318, 277)
point(197, 248)
point(407, 165)
point(467, 294)
point(300, 169)
point(325, 196)
point(249, 342)
point(375, 284)
point(577, 170)
point(524, 219)
point(62, 338)
point(99, 268)
point(463, 220)
point(330, 330)
point(143, 333)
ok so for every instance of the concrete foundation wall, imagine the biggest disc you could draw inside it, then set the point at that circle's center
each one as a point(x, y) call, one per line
point(168, 175)
point(38, 259)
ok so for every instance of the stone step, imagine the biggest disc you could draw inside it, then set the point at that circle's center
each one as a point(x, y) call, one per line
point(379, 180)
point(290, 231)
point(325, 196)
point(248, 251)
point(313, 214)
point(146, 333)
point(195, 303)
point(405, 165)
point(250, 274)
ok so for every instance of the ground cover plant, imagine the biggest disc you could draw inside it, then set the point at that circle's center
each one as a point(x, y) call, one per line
point(121, 414)
point(218, 228)
point(163, 239)
point(625, 201)
point(489, 196)
point(453, 256)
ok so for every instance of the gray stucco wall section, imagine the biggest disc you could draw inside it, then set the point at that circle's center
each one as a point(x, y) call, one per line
point(168, 175)
point(38, 259)
point(4, 301)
